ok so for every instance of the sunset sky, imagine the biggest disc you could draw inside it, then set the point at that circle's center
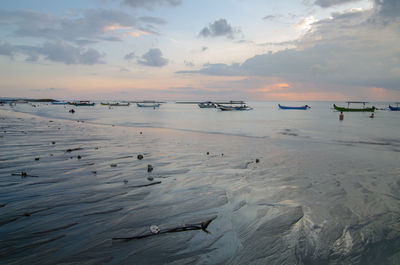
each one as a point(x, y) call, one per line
point(201, 50)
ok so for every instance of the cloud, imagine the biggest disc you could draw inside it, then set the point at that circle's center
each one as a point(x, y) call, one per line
point(204, 48)
point(87, 27)
point(219, 28)
point(48, 89)
point(153, 57)
point(130, 56)
point(350, 49)
point(329, 3)
point(151, 4)
point(388, 8)
point(59, 51)
point(153, 20)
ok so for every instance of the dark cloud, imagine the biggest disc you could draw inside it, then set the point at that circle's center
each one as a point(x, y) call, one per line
point(154, 58)
point(388, 8)
point(270, 17)
point(48, 89)
point(130, 56)
point(219, 28)
point(153, 20)
point(329, 3)
point(61, 52)
point(151, 4)
point(87, 27)
point(204, 48)
point(68, 54)
point(6, 49)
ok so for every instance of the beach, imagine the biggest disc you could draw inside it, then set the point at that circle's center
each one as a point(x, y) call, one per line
point(72, 188)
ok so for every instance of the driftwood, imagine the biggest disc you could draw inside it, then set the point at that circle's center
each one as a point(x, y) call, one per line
point(145, 185)
point(186, 227)
point(73, 149)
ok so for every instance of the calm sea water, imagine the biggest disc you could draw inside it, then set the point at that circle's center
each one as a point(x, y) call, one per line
point(320, 123)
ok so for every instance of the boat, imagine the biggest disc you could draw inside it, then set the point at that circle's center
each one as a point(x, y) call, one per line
point(233, 108)
point(148, 104)
point(59, 102)
point(397, 108)
point(369, 109)
point(119, 104)
point(104, 103)
point(207, 105)
point(294, 108)
point(82, 103)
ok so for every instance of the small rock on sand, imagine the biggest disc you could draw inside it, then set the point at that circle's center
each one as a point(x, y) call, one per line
point(140, 157)
point(149, 168)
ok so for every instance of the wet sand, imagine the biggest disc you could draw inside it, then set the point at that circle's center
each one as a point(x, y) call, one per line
point(68, 188)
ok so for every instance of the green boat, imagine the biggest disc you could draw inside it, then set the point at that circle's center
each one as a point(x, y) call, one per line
point(369, 109)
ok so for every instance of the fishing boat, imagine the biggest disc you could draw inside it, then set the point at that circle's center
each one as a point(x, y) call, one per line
point(294, 108)
point(104, 103)
point(118, 104)
point(59, 102)
point(366, 109)
point(207, 105)
point(148, 105)
point(233, 108)
point(82, 103)
point(397, 108)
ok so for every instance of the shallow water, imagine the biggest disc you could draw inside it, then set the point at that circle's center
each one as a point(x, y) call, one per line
point(323, 191)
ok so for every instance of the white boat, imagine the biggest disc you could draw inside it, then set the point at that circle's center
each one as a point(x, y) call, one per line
point(148, 105)
point(207, 105)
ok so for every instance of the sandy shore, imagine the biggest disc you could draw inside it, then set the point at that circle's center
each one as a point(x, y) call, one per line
point(68, 188)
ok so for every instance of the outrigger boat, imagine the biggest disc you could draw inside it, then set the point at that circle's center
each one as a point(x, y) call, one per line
point(148, 104)
point(242, 106)
point(397, 108)
point(207, 105)
point(59, 102)
point(118, 104)
point(294, 108)
point(370, 109)
point(82, 103)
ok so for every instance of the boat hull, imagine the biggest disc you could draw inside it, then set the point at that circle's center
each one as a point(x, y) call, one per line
point(372, 109)
point(305, 107)
point(148, 105)
point(394, 108)
point(232, 108)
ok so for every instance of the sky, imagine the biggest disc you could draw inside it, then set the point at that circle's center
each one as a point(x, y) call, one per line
point(330, 50)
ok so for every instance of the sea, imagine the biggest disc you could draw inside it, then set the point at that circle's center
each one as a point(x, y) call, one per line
point(278, 186)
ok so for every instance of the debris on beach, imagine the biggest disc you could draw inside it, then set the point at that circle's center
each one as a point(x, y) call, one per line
point(208, 153)
point(125, 181)
point(150, 178)
point(79, 157)
point(23, 174)
point(71, 111)
point(155, 230)
point(37, 158)
point(149, 168)
point(27, 214)
point(257, 160)
point(146, 185)
point(140, 157)
point(94, 172)
point(73, 149)
point(53, 142)
point(113, 165)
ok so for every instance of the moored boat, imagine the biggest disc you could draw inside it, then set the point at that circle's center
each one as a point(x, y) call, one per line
point(305, 107)
point(397, 108)
point(59, 102)
point(118, 104)
point(82, 103)
point(148, 105)
point(365, 109)
point(207, 105)
point(233, 108)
